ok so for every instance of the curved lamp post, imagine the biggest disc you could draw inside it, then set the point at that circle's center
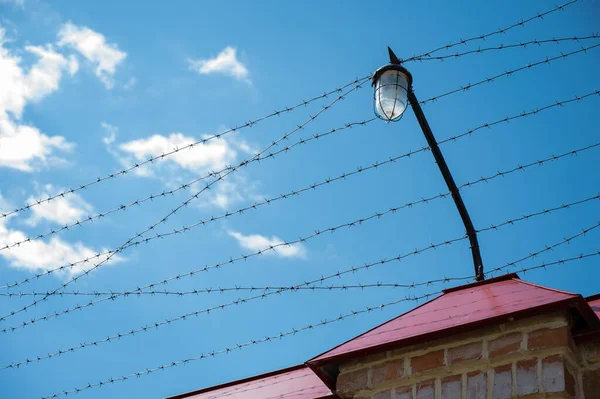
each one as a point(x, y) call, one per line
point(393, 93)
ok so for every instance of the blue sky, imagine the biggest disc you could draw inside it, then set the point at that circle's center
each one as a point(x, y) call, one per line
point(90, 88)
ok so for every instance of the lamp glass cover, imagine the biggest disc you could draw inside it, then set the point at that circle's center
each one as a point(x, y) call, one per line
point(391, 94)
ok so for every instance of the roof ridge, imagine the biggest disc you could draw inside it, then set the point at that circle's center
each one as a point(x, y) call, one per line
point(504, 277)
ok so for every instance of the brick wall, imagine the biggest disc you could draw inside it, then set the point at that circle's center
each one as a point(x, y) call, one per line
point(531, 358)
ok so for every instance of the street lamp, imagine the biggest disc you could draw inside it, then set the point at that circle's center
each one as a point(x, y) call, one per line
point(393, 92)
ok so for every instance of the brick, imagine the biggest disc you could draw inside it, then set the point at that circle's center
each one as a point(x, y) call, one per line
point(553, 374)
point(476, 385)
point(465, 352)
point(383, 395)
point(452, 387)
point(505, 344)
point(427, 362)
point(570, 384)
point(502, 388)
point(426, 390)
point(404, 393)
point(527, 381)
point(352, 381)
point(365, 360)
point(548, 338)
point(387, 371)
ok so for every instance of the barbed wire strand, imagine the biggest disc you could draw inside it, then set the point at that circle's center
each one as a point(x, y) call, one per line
point(508, 73)
point(320, 280)
point(311, 326)
point(374, 165)
point(500, 47)
point(493, 33)
point(211, 290)
point(185, 203)
point(189, 146)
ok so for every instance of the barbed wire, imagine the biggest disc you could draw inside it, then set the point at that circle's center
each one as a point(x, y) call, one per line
point(277, 113)
point(223, 306)
point(112, 253)
point(375, 166)
point(215, 290)
point(317, 233)
point(304, 284)
point(222, 290)
point(522, 115)
point(342, 176)
point(189, 200)
point(311, 326)
point(510, 72)
point(547, 248)
point(217, 174)
point(237, 346)
point(187, 185)
point(189, 146)
point(493, 33)
point(534, 42)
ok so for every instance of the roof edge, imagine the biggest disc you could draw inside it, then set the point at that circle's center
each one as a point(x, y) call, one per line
point(492, 280)
point(236, 382)
point(551, 289)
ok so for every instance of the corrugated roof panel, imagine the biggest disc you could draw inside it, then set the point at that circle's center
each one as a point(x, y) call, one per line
point(458, 307)
point(294, 383)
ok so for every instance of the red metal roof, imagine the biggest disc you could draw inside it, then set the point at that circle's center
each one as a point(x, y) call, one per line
point(594, 302)
point(458, 309)
point(297, 382)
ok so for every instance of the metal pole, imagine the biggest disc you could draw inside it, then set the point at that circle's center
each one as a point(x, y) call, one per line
point(441, 162)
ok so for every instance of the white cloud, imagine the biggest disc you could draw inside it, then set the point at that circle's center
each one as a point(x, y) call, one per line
point(37, 255)
point(257, 242)
point(61, 210)
point(189, 163)
point(226, 63)
point(93, 46)
point(23, 146)
point(212, 155)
